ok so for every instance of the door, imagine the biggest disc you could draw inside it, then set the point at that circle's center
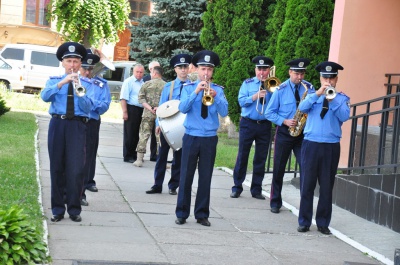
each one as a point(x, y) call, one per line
point(42, 66)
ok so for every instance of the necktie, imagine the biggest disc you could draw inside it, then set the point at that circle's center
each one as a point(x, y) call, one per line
point(70, 102)
point(204, 111)
point(296, 94)
point(325, 108)
point(180, 88)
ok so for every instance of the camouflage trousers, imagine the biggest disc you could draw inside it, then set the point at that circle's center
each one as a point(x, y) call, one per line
point(146, 126)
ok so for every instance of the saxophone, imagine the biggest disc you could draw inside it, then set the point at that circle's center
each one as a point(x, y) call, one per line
point(300, 117)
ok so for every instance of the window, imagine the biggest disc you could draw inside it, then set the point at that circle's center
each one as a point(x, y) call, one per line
point(36, 11)
point(44, 59)
point(4, 65)
point(117, 75)
point(13, 54)
point(139, 8)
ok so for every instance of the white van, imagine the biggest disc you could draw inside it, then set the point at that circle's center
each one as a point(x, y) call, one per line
point(10, 77)
point(36, 62)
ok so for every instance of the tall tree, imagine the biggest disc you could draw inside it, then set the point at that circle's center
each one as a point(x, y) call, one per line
point(305, 32)
point(90, 22)
point(235, 30)
point(173, 28)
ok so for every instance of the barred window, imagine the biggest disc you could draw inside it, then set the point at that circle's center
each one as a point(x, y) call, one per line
point(139, 8)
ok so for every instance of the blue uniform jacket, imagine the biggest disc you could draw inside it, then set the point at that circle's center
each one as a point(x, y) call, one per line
point(101, 99)
point(328, 129)
point(58, 97)
point(249, 107)
point(191, 105)
point(282, 104)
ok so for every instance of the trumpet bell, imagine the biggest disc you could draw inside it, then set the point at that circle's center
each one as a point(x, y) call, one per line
point(330, 92)
point(207, 100)
point(80, 91)
point(272, 83)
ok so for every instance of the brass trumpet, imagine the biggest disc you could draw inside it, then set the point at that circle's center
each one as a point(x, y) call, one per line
point(330, 92)
point(76, 84)
point(207, 99)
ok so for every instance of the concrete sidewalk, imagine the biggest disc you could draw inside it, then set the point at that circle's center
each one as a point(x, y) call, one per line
point(123, 225)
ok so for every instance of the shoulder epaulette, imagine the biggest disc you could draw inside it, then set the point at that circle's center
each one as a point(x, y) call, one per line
point(283, 85)
point(218, 85)
point(188, 84)
point(86, 79)
point(249, 80)
point(343, 94)
point(98, 83)
point(55, 77)
point(101, 79)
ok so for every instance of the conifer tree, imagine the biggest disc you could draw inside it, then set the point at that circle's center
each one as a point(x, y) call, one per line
point(236, 32)
point(305, 33)
point(173, 28)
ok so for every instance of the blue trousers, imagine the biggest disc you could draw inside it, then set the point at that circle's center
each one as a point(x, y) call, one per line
point(283, 145)
point(260, 133)
point(199, 151)
point(67, 152)
point(320, 162)
point(161, 166)
point(92, 144)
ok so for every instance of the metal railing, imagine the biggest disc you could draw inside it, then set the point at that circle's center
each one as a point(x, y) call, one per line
point(375, 149)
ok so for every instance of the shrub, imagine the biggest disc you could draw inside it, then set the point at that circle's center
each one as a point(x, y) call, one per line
point(3, 107)
point(20, 242)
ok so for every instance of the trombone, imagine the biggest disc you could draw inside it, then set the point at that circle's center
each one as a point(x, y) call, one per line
point(270, 84)
point(258, 98)
point(207, 99)
point(76, 84)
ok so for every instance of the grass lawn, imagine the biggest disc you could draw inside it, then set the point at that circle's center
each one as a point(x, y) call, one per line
point(18, 180)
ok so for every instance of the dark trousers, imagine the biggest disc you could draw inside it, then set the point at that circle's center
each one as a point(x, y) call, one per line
point(319, 163)
point(161, 166)
point(131, 134)
point(131, 131)
point(199, 151)
point(67, 147)
point(153, 144)
point(92, 144)
point(283, 146)
point(260, 133)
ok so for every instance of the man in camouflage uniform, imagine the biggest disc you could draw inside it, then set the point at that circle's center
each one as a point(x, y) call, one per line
point(149, 96)
point(192, 76)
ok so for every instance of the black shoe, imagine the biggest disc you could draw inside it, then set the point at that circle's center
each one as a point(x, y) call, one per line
point(152, 159)
point(172, 192)
point(274, 210)
point(235, 194)
point(153, 191)
point(93, 189)
point(203, 221)
point(324, 230)
point(129, 160)
point(259, 196)
point(303, 229)
point(75, 218)
point(57, 217)
point(180, 221)
point(84, 202)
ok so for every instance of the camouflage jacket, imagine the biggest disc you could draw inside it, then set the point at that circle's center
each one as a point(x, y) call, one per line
point(150, 93)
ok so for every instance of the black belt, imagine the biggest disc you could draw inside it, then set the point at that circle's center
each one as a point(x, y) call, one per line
point(256, 121)
point(76, 118)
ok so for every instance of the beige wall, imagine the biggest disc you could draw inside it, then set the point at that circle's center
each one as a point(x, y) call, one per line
point(365, 40)
point(11, 12)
